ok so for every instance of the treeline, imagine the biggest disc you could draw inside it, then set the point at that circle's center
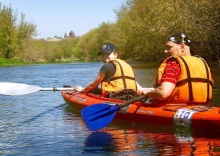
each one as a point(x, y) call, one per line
point(139, 32)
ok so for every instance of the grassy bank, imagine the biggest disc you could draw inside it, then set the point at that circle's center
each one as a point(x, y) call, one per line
point(9, 62)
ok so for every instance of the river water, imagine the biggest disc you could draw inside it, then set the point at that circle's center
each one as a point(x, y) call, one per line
point(41, 123)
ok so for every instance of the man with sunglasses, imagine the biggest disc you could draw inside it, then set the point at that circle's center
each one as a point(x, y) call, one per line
point(181, 78)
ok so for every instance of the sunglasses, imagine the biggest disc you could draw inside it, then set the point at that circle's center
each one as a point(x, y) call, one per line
point(179, 38)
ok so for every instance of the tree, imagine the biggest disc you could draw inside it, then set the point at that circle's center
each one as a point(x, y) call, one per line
point(90, 43)
point(144, 26)
point(7, 32)
point(13, 36)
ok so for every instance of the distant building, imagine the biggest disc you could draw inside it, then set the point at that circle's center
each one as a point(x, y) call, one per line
point(57, 38)
point(65, 35)
point(71, 34)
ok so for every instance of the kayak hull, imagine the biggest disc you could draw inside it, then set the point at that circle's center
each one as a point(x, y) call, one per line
point(192, 116)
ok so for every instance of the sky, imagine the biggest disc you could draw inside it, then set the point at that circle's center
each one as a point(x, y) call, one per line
point(55, 17)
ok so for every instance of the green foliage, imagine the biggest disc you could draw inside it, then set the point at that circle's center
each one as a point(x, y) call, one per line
point(48, 51)
point(76, 52)
point(139, 33)
point(145, 24)
point(90, 43)
point(12, 36)
point(7, 32)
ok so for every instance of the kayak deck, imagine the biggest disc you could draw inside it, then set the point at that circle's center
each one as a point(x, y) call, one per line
point(194, 116)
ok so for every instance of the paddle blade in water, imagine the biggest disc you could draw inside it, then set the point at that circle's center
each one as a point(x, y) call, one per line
point(8, 88)
point(98, 116)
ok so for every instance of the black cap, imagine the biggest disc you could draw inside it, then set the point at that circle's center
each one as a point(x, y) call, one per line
point(107, 48)
point(180, 38)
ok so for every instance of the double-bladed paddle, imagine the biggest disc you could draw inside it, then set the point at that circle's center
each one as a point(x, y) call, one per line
point(97, 116)
point(10, 88)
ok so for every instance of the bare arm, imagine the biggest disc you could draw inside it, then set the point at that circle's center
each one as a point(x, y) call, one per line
point(139, 89)
point(160, 93)
point(93, 84)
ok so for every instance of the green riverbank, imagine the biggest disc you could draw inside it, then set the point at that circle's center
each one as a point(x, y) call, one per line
point(10, 62)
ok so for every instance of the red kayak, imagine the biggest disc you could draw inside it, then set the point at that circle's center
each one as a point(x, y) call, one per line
point(198, 117)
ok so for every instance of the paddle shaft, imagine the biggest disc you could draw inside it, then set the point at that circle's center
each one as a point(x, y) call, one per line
point(10, 88)
point(56, 89)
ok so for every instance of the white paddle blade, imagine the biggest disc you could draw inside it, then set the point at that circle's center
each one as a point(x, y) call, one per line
point(8, 88)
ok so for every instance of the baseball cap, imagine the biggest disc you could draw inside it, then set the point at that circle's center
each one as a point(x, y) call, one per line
point(180, 38)
point(107, 48)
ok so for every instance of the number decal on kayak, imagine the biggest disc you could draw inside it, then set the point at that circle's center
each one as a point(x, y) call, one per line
point(183, 116)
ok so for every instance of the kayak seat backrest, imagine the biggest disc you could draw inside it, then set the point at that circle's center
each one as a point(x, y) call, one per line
point(202, 108)
point(174, 108)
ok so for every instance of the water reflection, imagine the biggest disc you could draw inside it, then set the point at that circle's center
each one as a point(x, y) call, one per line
point(100, 141)
point(139, 142)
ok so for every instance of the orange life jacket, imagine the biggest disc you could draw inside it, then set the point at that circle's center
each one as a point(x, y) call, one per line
point(195, 81)
point(124, 77)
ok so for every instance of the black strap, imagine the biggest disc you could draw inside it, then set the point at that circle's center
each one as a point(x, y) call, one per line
point(207, 71)
point(188, 80)
point(209, 82)
point(123, 77)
